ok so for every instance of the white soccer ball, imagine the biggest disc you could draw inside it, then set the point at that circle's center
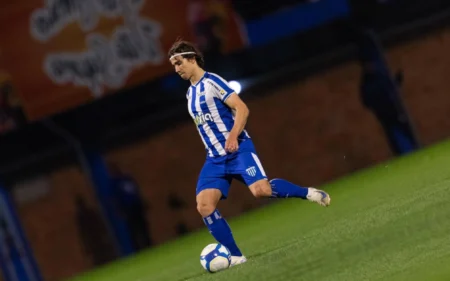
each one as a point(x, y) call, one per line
point(215, 257)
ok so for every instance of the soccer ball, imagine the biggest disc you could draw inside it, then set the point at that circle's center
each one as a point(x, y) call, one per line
point(215, 257)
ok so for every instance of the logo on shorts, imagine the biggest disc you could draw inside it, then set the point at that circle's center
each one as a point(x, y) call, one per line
point(251, 171)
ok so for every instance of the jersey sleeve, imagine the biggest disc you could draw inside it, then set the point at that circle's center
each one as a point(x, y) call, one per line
point(220, 87)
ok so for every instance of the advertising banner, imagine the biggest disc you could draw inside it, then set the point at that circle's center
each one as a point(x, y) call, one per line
point(63, 53)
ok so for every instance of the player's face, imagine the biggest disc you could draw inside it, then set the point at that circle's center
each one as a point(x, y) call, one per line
point(184, 67)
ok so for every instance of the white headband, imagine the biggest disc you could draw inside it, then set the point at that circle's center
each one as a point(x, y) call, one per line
point(180, 54)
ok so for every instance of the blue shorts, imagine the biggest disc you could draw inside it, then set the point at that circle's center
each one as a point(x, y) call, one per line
point(243, 165)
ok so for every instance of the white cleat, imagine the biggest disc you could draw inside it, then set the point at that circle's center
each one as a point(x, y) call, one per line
point(235, 260)
point(318, 196)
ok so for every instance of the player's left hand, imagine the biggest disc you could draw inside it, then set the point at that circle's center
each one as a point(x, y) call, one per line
point(231, 144)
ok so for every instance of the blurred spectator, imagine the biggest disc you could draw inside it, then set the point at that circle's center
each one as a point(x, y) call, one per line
point(11, 114)
point(379, 93)
point(207, 19)
point(98, 245)
point(130, 206)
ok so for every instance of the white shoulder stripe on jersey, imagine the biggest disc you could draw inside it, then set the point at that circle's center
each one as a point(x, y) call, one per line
point(217, 90)
point(213, 84)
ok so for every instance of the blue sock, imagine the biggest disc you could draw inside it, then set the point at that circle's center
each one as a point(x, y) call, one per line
point(284, 189)
point(221, 231)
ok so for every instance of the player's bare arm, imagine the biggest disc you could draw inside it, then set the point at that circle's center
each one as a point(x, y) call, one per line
point(242, 112)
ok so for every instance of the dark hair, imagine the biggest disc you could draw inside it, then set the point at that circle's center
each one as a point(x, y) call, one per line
point(181, 46)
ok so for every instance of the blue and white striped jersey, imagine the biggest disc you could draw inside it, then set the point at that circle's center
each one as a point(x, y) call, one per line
point(214, 119)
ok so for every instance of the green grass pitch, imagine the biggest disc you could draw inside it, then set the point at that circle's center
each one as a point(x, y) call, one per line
point(387, 223)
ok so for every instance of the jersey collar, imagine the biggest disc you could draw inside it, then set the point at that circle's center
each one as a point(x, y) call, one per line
point(204, 75)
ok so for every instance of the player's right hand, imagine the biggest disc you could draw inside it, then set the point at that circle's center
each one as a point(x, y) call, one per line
point(231, 144)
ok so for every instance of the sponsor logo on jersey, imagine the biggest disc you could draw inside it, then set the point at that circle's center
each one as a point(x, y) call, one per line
point(201, 118)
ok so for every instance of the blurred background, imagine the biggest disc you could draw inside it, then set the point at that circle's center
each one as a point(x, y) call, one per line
point(97, 150)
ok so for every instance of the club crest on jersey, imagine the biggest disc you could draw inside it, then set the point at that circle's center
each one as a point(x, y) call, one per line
point(202, 118)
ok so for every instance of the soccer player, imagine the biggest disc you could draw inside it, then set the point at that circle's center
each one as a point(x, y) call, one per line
point(220, 116)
